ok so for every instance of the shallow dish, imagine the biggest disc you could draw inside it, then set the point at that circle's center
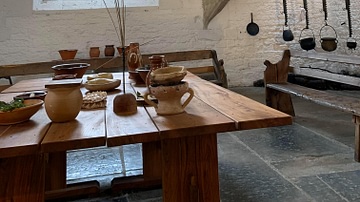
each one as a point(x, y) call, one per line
point(21, 114)
point(111, 85)
point(72, 68)
point(32, 95)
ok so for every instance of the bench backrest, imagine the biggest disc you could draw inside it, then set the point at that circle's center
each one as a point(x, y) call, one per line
point(321, 73)
point(190, 59)
point(283, 67)
point(203, 63)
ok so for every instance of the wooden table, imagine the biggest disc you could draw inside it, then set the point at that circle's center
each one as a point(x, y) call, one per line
point(179, 151)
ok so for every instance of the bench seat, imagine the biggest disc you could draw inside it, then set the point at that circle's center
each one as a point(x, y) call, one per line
point(278, 92)
point(343, 103)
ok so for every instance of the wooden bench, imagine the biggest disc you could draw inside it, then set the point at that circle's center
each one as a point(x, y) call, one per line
point(279, 90)
point(204, 63)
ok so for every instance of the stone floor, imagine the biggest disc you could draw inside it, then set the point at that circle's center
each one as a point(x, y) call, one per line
point(311, 160)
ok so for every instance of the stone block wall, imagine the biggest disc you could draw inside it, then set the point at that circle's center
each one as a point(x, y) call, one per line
point(33, 36)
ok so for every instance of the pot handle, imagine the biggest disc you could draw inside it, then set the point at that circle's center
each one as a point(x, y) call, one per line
point(331, 28)
point(187, 101)
point(304, 30)
point(150, 102)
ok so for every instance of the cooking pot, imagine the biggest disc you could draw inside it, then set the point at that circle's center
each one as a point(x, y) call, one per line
point(328, 43)
point(351, 43)
point(307, 43)
point(287, 35)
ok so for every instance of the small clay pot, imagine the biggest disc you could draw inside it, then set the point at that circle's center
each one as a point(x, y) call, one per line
point(94, 52)
point(109, 50)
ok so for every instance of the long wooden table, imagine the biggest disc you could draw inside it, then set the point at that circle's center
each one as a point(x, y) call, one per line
point(179, 151)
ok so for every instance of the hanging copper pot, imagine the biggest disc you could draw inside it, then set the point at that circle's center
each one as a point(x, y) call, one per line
point(327, 43)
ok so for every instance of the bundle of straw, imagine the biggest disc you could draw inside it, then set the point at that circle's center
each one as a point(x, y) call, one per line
point(120, 15)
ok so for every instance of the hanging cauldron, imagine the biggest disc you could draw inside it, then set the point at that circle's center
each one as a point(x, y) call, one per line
point(308, 42)
point(328, 43)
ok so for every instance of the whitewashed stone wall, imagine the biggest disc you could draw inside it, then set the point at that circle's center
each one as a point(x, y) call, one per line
point(31, 36)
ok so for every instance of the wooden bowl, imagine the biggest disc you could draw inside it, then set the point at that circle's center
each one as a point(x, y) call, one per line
point(21, 114)
point(111, 85)
point(72, 68)
point(68, 54)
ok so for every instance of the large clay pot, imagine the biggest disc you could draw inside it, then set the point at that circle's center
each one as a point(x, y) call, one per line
point(134, 58)
point(63, 104)
point(169, 98)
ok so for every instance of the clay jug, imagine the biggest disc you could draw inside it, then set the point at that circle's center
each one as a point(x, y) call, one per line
point(63, 102)
point(94, 52)
point(109, 50)
point(134, 58)
point(169, 98)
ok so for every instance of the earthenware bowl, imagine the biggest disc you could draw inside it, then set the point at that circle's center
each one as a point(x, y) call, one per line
point(68, 54)
point(72, 68)
point(21, 114)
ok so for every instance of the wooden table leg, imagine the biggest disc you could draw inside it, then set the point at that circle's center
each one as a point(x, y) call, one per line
point(56, 187)
point(356, 121)
point(151, 178)
point(22, 178)
point(190, 169)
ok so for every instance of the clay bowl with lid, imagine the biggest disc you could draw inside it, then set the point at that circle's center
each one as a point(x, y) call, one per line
point(72, 68)
point(171, 75)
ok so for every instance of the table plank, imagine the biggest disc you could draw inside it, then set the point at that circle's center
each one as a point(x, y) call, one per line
point(198, 118)
point(129, 129)
point(23, 86)
point(23, 138)
point(248, 113)
point(87, 130)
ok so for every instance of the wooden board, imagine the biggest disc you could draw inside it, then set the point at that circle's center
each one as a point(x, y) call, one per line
point(129, 129)
point(28, 85)
point(247, 113)
point(343, 103)
point(23, 138)
point(22, 178)
point(198, 118)
point(88, 130)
